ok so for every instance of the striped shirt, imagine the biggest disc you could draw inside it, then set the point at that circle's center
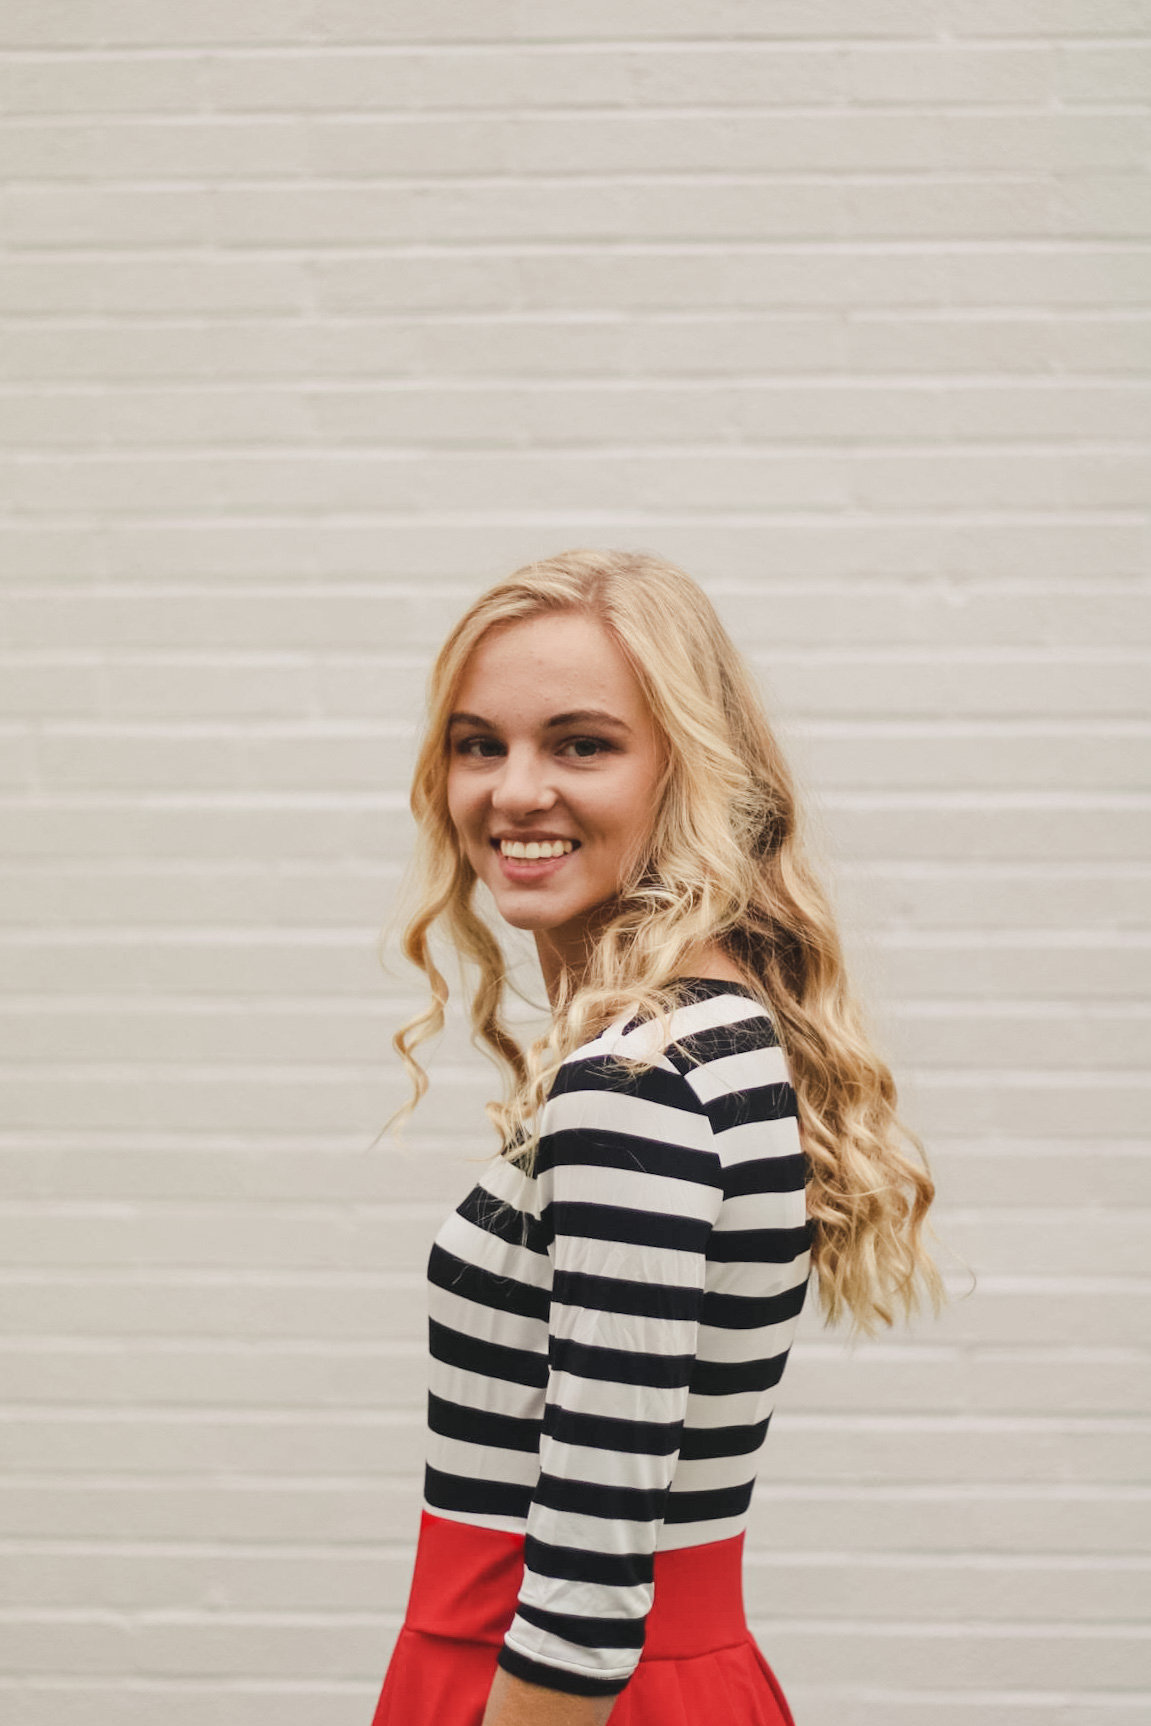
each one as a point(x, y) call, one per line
point(606, 1334)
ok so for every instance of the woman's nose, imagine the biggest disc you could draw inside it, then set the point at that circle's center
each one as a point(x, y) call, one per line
point(523, 785)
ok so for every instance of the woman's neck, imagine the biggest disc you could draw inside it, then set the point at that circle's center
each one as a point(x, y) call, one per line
point(711, 960)
point(569, 961)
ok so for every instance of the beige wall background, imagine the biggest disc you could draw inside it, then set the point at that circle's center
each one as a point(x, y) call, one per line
point(316, 318)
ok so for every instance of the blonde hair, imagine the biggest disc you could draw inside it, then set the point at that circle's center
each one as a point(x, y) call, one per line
point(725, 864)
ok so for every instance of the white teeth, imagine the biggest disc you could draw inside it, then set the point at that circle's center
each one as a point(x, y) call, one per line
point(533, 849)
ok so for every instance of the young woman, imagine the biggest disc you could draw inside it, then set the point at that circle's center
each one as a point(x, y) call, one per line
point(703, 1125)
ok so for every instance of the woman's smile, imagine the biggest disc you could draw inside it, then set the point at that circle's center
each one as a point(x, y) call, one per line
point(532, 847)
point(533, 859)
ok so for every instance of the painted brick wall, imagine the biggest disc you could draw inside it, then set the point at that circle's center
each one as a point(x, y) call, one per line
point(315, 319)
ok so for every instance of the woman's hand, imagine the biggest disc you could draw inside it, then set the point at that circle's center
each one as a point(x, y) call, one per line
point(511, 1702)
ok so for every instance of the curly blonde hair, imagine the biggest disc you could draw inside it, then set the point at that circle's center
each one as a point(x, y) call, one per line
point(725, 864)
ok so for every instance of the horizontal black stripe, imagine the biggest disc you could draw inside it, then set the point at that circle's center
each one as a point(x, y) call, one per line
point(591, 1498)
point(612, 1294)
point(553, 1678)
point(585, 1632)
point(749, 1312)
point(605, 1073)
point(758, 1246)
point(711, 1506)
point(618, 1365)
point(481, 1426)
point(741, 1108)
point(604, 1432)
point(730, 1378)
point(720, 1042)
point(597, 1147)
point(701, 1443)
point(475, 1497)
point(632, 1228)
point(573, 1564)
point(489, 1359)
point(786, 1174)
point(497, 1217)
point(474, 1283)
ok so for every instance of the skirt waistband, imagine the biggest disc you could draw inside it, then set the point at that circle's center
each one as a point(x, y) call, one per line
point(467, 1581)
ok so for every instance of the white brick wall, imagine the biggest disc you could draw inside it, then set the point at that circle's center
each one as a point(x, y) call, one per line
point(313, 320)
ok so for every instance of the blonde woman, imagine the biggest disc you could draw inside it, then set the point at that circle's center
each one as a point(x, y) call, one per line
point(703, 1128)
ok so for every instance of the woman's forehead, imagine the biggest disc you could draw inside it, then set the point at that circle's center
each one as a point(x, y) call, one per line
point(572, 651)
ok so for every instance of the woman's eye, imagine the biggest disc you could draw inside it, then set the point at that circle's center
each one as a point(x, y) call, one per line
point(586, 748)
point(483, 747)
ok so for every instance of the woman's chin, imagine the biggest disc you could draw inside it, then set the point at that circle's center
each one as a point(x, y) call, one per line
point(533, 919)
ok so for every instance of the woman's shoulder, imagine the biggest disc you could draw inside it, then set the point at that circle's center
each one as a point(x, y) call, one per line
point(726, 1030)
point(660, 1095)
point(708, 1019)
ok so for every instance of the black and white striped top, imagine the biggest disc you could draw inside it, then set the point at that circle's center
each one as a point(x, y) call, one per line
point(606, 1335)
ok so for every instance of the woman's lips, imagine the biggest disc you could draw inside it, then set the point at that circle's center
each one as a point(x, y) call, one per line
point(532, 868)
point(536, 846)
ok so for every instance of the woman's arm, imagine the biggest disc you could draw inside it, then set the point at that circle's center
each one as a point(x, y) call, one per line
point(514, 1703)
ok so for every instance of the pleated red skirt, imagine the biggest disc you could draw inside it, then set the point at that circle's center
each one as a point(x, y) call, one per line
point(700, 1665)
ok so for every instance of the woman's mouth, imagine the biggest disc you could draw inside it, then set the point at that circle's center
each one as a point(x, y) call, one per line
point(532, 859)
point(532, 849)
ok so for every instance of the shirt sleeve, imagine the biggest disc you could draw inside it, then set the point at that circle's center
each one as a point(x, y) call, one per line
point(630, 1187)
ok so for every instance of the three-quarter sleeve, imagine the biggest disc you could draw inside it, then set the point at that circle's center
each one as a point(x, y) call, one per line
point(629, 1187)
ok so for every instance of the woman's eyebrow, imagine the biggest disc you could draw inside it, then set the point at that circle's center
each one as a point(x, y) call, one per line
point(588, 716)
point(581, 716)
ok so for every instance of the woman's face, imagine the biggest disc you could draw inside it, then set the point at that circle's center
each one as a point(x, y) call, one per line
point(552, 748)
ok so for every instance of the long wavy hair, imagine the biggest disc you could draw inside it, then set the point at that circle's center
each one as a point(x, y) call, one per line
point(725, 864)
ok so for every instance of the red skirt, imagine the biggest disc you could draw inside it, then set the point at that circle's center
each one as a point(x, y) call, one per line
point(699, 1666)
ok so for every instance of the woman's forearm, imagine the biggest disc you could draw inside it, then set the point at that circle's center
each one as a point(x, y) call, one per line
point(514, 1703)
